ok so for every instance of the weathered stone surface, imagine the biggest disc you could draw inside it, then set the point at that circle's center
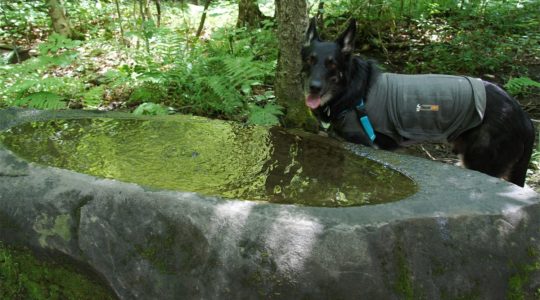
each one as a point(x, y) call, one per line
point(463, 234)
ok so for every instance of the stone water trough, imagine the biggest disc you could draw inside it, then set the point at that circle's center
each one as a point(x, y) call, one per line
point(458, 235)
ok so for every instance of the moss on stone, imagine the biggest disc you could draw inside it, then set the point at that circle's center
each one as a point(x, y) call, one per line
point(515, 287)
point(404, 284)
point(25, 276)
point(518, 282)
point(176, 249)
point(61, 227)
point(46, 226)
point(520, 279)
point(6, 222)
point(156, 248)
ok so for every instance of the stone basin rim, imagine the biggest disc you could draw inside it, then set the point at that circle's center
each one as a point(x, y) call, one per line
point(444, 191)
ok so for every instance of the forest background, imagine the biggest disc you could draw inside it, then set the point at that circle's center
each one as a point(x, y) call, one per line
point(221, 58)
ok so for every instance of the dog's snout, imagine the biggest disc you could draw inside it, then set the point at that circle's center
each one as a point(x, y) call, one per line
point(315, 86)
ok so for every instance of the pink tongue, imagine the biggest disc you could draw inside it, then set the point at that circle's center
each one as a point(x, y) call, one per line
point(313, 101)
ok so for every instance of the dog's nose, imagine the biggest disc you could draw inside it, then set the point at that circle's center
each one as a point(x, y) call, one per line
point(315, 86)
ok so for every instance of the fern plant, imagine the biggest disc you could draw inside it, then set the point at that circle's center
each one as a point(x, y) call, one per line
point(520, 85)
point(93, 97)
point(221, 95)
point(229, 76)
point(230, 85)
point(267, 115)
point(148, 92)
point(42, 100)
point(32, 87)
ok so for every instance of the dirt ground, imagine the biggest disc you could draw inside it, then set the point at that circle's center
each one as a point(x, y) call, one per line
point(443, 153)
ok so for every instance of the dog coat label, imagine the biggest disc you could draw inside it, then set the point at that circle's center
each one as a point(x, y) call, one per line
point(425, 107)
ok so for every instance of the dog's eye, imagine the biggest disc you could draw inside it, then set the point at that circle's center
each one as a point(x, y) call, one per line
point(311, 60)
point(331, 63)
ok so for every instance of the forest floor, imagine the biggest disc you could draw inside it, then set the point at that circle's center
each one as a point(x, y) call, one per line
point(443, 153)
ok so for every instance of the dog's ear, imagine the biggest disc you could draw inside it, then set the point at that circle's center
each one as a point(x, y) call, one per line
point(311, 33)
point(346, 40)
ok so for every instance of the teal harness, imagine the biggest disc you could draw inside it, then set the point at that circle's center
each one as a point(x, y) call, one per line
point(364, 120)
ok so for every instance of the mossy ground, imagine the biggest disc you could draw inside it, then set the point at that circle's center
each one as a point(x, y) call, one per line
point(25, 276)
point(519, 284)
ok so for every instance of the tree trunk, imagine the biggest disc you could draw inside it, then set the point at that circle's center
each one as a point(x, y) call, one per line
point(60, 22)
point(117, 4)
point(292, 22)
point(203, 18)
point(147, 10)
point(158, 10)
point(144, 18)
point(249, 14)
point(320, 15)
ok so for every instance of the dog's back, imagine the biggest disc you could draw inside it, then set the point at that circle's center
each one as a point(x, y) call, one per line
point(425, 107)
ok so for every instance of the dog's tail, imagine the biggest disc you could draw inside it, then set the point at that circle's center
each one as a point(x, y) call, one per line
point(519, 170)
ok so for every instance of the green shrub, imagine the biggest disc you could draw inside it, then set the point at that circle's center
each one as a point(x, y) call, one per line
point(520, 85)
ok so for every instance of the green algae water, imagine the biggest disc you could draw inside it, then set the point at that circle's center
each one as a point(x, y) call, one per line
point(211, 157)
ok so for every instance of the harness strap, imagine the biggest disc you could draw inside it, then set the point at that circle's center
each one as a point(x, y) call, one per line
point(364, 120)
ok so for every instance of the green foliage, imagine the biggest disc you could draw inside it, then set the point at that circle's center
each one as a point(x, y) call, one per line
point(57, 43)
point(30, 85)
point(518, 282)
point(469, 51)
point(149, 108)
point(267, 115)
point(41, 100)
point(19, 19)
point(93, 97)
point(24, 276)
point(225, 89)
point(148, 91)
point(535, 160)
point(520, 85)
point(219, 78)
point(473, 37)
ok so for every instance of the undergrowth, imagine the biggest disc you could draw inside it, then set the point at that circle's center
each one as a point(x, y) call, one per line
point(452, 37)
point(227, 74)
point(25, 276)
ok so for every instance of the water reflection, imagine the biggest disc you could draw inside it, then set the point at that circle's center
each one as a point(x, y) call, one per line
point(213, 158)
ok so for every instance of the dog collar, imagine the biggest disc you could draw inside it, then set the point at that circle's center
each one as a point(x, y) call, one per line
point(364, 120)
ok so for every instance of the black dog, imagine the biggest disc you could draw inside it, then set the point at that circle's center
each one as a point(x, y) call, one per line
point(488, 129)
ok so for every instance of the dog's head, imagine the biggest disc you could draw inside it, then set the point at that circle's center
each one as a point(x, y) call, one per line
point(325, 64)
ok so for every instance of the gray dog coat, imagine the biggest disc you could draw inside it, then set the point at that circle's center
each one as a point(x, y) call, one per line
point(430, 107)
